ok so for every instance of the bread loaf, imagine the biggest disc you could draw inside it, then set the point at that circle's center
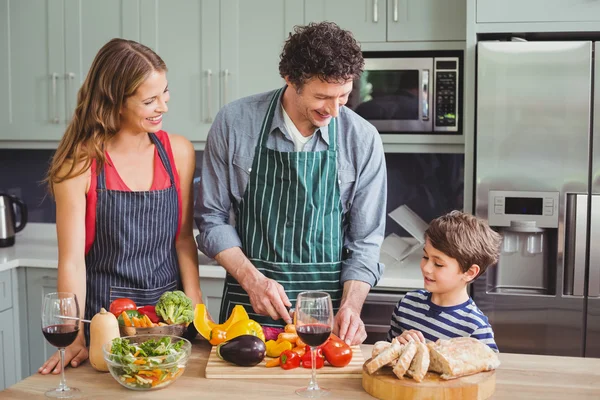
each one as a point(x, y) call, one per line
point(461, 356)
point(420, 363)
point(405, 359)
point(386, 356)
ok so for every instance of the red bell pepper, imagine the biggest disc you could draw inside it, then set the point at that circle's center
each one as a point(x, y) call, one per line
point(289, 359)
point(307, 358)
point(150, 312)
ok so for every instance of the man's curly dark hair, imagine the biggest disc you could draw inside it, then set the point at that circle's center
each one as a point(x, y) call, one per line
point(322, 50)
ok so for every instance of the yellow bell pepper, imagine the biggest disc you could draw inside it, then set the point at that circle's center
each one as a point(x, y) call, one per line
point(275, 349)
point(201, 321)
point(245, 327)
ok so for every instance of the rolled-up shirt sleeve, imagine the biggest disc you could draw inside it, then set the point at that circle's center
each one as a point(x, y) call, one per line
point(366, 218)
point(211, 211)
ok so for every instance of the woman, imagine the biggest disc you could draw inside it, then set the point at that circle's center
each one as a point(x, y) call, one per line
point(123, 190)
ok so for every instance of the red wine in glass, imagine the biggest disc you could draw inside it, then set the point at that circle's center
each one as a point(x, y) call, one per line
point(60, 335)
point(314, 320)
point(60, 326)
point(314, 335)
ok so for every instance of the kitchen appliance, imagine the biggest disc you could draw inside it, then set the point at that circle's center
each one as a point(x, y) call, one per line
point(8, 220)
point(410, 92)
point(538, 184)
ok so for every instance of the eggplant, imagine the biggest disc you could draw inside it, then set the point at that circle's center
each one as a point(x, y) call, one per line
point(244, 350)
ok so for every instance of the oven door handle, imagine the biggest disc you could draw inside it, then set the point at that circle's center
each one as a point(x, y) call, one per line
point(424, 109)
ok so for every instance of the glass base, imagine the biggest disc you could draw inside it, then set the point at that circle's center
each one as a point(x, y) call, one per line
point(313, 393)
point(68, 393)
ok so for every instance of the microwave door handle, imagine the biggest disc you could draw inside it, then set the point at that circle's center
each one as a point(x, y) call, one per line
point(594, 277)
point(424, 95)
point(575, 243)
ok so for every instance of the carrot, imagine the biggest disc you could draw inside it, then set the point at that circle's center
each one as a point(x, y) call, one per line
point(149, 323)
point(136, 353)
point(290, 337)
point(162, 324)
point(299, 350)
point(290, 328)
point(126, 319)
point(129, 380)
point(136, 322)
point(273, 363)
point(300, 343)
point(140, 361)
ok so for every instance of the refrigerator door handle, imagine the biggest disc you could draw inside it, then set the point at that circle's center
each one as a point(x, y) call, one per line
point(594, 282)
point(575, 243)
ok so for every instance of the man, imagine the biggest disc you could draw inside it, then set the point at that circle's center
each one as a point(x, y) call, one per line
point(306, 178)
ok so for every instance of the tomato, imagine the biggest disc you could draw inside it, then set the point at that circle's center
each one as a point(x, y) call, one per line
point(337, 353)
point(120, 305)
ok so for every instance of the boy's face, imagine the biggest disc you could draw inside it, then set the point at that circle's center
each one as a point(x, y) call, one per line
point(441, 273)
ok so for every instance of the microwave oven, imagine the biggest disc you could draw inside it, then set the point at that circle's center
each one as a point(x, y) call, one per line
point(410, 92)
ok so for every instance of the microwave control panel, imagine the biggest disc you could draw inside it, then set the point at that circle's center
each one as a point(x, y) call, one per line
point(446, 92)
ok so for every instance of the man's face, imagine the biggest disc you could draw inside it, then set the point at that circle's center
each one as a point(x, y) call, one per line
point(318, 101)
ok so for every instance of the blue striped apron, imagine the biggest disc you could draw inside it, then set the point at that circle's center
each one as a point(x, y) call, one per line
point(133, 254)
point(290, 221)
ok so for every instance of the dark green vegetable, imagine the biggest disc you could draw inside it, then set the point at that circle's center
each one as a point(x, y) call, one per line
point(175, 308)
point(245, 350)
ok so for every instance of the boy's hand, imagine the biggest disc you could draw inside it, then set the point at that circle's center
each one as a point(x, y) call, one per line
point(409, 335)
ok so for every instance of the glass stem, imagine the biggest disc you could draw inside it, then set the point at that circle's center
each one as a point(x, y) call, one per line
point(62, 386)
point(313, 379)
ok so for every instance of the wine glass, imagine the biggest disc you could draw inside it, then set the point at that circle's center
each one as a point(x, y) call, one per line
point(314, 321)
point(60, 326)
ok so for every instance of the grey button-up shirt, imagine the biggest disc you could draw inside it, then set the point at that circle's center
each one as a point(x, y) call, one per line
point(227, 163)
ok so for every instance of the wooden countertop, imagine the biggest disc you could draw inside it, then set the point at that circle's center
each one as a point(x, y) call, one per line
point(519, 377)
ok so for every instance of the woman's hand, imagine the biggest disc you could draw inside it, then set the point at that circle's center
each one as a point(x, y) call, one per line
point(411, 335)
point(74, 354)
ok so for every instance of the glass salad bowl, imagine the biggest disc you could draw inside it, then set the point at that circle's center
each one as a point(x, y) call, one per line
point(147, 362)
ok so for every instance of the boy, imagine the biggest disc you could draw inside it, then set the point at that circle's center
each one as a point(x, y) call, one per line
point(458, 248)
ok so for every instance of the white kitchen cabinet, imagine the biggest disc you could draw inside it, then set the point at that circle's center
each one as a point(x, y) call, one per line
point(40, 281)
point(212, 295)
point(492, 11)
point(394, 20)
point(8, 355)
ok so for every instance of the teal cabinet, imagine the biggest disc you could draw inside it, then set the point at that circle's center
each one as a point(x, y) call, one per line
point(537, 11)
point(394, 20)
point(366, 19)
point(426, 20)
point(8, 354)
point(40, 281)
point(32, 67)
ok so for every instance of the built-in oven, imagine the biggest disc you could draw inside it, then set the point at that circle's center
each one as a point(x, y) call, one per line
point(410, 92)
point(377, 312)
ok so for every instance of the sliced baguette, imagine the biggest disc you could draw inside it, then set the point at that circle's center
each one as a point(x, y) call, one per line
point(386, 356)
point(420, 363)
point(461, 356)
point(379, 347)
point(405, 359)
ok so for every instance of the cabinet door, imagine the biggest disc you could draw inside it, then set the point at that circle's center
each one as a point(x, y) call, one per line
point(366, 19)
point(89, 25)
point(537, 11)
point(32, 70)
point(40, 281)
point(8, 360)
point(426, 20)
point(212, 293)
point(186, 36)
point(252, 36)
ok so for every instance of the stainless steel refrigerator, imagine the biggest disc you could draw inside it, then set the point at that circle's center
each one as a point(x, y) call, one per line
point(538, 184)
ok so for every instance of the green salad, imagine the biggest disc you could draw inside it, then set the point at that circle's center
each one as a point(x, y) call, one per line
point(147, 365)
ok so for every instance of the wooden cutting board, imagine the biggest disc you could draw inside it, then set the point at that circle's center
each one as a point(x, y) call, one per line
point(219, 369)
point(384, 385)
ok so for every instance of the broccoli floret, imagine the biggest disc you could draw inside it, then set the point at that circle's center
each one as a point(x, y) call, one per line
point(175, 308)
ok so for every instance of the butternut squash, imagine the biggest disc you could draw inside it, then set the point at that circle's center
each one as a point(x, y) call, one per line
point(104, 327)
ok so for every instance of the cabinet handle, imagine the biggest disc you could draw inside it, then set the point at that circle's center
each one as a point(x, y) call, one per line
point(395, 11)
point(375, 11)
point(69, 77)
point(209, 95)
point(425, 92)
point(54, 78)
point(225, 86)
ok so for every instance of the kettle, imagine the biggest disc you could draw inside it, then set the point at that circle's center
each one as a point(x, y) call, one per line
point(8, 225)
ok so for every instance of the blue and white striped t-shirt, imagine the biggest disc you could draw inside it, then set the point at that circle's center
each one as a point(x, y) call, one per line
point(416, 311)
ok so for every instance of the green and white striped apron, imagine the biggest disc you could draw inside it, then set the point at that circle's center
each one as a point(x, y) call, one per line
point(290, 221)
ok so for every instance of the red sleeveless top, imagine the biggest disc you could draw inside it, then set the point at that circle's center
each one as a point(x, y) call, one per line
point(160, 181)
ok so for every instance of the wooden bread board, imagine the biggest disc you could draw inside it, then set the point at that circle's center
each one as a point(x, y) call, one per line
point(219, 369)
point(384, 385)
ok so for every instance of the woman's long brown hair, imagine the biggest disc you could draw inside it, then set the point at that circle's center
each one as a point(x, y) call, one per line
point(119, 68)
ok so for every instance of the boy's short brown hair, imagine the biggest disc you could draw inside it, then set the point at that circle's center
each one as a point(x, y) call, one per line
point(466, 238)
